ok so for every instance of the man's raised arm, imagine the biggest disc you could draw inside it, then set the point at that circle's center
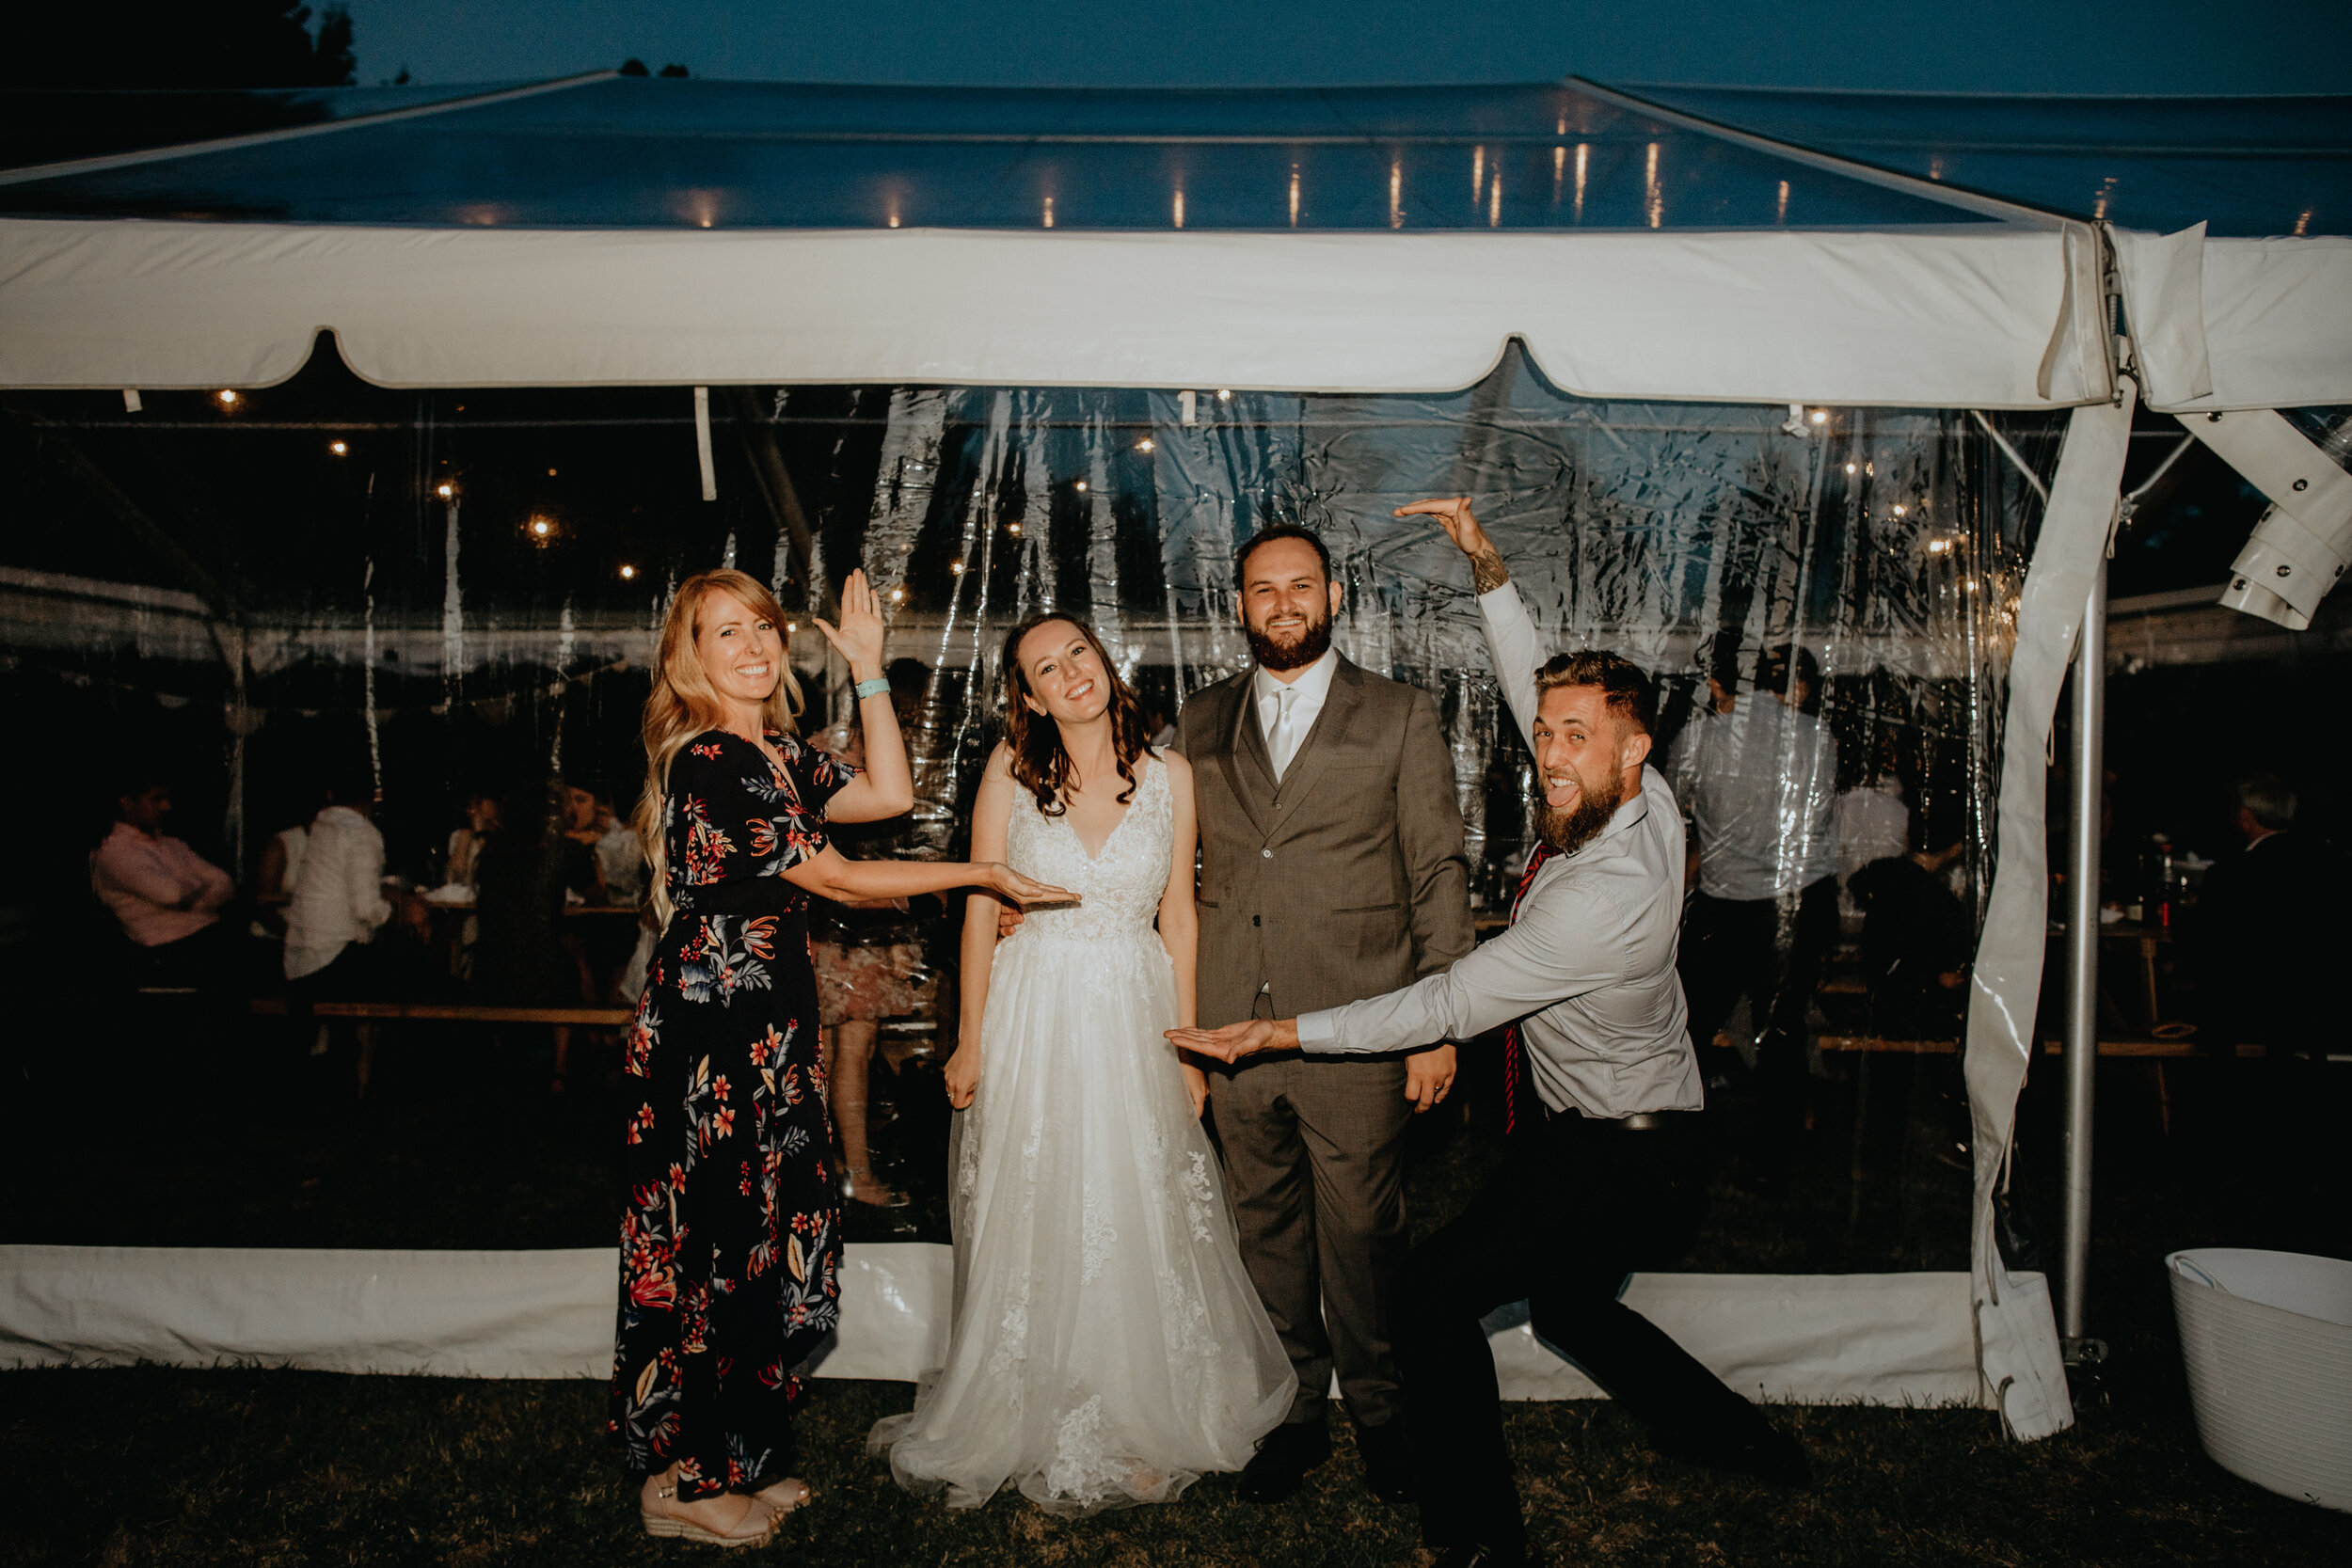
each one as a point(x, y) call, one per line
point(1513, 648)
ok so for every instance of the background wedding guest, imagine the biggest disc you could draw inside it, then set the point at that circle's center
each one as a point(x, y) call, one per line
point(166, 897)
point(2265, 929)
point(620, 854)
point(466, 841)
point(528, 871)
point(1917, 936)
point(1758, 779)
point(337, 904)
point(866, 958)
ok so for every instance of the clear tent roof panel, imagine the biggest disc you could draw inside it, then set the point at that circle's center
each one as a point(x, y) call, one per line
point(2245, 167)
point(637, 152)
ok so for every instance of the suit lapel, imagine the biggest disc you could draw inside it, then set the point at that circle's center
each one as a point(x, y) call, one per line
point(1315, 752)
point(1248, 771)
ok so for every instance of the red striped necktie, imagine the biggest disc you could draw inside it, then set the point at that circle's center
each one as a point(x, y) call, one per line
point(1514, 1058)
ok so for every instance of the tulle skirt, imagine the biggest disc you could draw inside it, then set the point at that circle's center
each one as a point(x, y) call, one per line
point(1108, 1346)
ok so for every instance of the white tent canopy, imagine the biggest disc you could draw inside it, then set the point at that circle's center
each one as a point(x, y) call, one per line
point(617, 232)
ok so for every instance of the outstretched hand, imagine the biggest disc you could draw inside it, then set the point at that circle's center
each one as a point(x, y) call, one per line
point(1236, 1041)
point(859, 637)
point(1454, 515)
point(1006, 882)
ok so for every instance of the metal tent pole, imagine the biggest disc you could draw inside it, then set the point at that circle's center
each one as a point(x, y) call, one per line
point(2087, 771)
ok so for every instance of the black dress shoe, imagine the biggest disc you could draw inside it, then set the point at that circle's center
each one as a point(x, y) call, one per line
point(1388, 1469)
point(1282, 1461)
point(1489, 1557)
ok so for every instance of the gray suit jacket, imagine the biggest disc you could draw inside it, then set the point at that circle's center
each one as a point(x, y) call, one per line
point(1347, 880)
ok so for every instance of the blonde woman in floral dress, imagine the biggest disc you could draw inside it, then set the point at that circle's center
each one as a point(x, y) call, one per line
point(730, 1233)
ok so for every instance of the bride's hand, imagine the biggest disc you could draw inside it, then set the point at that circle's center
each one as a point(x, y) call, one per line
point(1006, 882)
point(962, 1076)
point(1196, 1085)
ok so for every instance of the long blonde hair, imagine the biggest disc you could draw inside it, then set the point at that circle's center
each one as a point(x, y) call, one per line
point(683, 703)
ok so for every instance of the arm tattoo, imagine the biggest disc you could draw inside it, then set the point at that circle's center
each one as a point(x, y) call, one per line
point(1487, 570)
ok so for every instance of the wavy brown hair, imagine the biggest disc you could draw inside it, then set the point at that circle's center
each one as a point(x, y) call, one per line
point(683, 703)
point(1040, 761)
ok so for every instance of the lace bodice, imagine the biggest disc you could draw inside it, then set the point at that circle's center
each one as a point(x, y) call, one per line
point(1119, 890)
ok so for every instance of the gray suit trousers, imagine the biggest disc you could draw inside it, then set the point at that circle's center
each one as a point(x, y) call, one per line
point(1313, 1163)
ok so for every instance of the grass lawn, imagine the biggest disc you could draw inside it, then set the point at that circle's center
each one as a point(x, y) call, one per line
point(254, 1466)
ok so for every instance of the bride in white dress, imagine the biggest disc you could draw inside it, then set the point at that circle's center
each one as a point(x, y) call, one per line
point(1107, 1348)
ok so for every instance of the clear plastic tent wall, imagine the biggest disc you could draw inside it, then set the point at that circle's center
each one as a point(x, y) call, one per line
point(1889, 543)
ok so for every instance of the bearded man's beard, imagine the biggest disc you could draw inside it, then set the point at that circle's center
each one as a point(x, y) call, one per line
point(1311, 644)
point(1570, 830)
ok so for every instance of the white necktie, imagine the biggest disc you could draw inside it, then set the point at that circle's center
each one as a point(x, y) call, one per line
point(1285, 740)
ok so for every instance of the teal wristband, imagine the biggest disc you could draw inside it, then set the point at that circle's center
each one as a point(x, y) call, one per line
point(876, 688)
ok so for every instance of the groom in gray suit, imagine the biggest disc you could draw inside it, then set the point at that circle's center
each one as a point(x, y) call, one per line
point(1332, 869)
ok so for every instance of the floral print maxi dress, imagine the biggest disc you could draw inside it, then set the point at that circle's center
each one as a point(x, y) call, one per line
point(730, 1234)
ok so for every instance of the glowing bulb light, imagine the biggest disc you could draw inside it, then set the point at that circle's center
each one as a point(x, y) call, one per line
point(1224, 394)
point(1850, 467)
point(629, 574)
point(1820, 415)
point(1082, 486)
point(446, 491)
point(339, 448)
point(956, 566)
point(1144, 445)
point(1898, 512)
point(1013, 529)
point(539, 526)
point(227, 398)
point(897, 594)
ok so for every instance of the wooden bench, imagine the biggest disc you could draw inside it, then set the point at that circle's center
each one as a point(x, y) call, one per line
point(458, 1012)
point(1876, 1045)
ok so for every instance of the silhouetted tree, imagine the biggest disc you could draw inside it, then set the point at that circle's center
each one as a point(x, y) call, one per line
point(180, 43)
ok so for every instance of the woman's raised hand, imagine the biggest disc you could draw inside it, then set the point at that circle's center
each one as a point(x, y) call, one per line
point(1006, 882)
point(859, 637)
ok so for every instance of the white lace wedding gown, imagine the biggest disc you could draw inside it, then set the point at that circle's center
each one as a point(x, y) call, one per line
point(1107, 1347)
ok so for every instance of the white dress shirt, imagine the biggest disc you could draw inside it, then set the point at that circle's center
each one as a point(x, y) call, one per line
point(1760, 783)
point(1587, 968)
point(1306, 695)
point(338, 898)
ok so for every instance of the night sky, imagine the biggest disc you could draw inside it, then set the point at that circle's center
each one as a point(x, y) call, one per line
point(2087, 46)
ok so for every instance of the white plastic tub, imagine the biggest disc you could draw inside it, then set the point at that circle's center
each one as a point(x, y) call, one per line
point(2267, 1340)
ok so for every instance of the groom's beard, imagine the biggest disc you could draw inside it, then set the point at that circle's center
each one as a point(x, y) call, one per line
point(1314, 641)
point(1570, 830)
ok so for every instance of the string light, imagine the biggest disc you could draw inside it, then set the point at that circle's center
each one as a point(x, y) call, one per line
point(1013, 529)
point(446, 491)
point(1898, 512)
point(539, 526)
point(1224, 394)
point(897, 594)
point(1082, 486)
point(339, 448)
point(956, 566)
point(227, 398)
point(1819, 416)
point(1850, 467)
point(629, 572)
point(1144, 445)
